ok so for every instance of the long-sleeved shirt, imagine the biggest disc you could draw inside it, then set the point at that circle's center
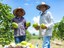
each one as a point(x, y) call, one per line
point(46, 19)
point(20, 31)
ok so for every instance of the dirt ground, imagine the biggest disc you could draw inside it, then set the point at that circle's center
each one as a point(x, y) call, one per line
point(54, 44)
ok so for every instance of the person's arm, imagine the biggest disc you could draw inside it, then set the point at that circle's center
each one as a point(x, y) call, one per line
point(50, 20)
point(25, 25)
point(11, 23)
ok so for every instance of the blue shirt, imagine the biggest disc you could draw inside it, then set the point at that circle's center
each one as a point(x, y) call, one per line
point(20, 31)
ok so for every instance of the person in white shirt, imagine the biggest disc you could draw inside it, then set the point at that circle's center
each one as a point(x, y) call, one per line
point(47, 19)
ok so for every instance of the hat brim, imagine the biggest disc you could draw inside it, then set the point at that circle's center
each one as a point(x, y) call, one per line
point(15, 10)
point(39, 6)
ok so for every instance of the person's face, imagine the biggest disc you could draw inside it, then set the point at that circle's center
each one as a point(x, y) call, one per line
point(43, 8)
point(19, 13)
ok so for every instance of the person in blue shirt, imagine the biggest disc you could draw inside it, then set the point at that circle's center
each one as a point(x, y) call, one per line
point(20, 32)
point(47, 19)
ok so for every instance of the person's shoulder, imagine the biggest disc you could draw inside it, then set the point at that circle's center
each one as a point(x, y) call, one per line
point(24, 19)
point(48, 12)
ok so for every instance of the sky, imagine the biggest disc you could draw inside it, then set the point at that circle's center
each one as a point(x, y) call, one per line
point(32, 14)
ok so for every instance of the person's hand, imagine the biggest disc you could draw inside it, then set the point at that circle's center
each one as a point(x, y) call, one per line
point(28, 24)
point(44, 27)
point(37, 28)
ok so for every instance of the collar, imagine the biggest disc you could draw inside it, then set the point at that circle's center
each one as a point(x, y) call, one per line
point(18, 17)
point(42, 13)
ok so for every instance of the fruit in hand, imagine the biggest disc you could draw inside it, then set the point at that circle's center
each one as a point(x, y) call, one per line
point(43, 26)
point(36, 26)
point(28, 24)
point(14, 25)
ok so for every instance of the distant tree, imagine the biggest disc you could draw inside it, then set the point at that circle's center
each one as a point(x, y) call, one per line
point(58, 30)
point(61, 28)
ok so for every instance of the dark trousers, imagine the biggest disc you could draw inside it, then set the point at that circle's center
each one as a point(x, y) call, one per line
point(19, 39)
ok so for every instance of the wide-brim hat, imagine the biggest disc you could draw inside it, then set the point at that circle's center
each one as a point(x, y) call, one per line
point(19, 8)
point(42, 4)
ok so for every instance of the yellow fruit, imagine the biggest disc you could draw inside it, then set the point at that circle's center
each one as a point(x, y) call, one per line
point(32, 46)
point(14, 25)
point(29, 44)
point(23, 46)
point(28, 24)
point(35, 25)
point(18, 44)
point(42, 26)
point(23, 43)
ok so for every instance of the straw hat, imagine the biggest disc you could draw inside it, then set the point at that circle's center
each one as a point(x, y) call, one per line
point(15, 11)
point(42, 4)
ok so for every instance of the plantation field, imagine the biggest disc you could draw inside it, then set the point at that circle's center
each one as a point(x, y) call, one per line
point(54, 44)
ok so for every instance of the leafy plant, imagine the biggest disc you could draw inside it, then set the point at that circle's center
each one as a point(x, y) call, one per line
point(6, 33)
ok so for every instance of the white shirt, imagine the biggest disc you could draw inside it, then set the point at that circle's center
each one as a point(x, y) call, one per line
point(46, 19)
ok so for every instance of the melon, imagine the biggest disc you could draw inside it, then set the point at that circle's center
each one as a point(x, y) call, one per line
point(14, 25)
point(43, 26)
point(28, 24)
